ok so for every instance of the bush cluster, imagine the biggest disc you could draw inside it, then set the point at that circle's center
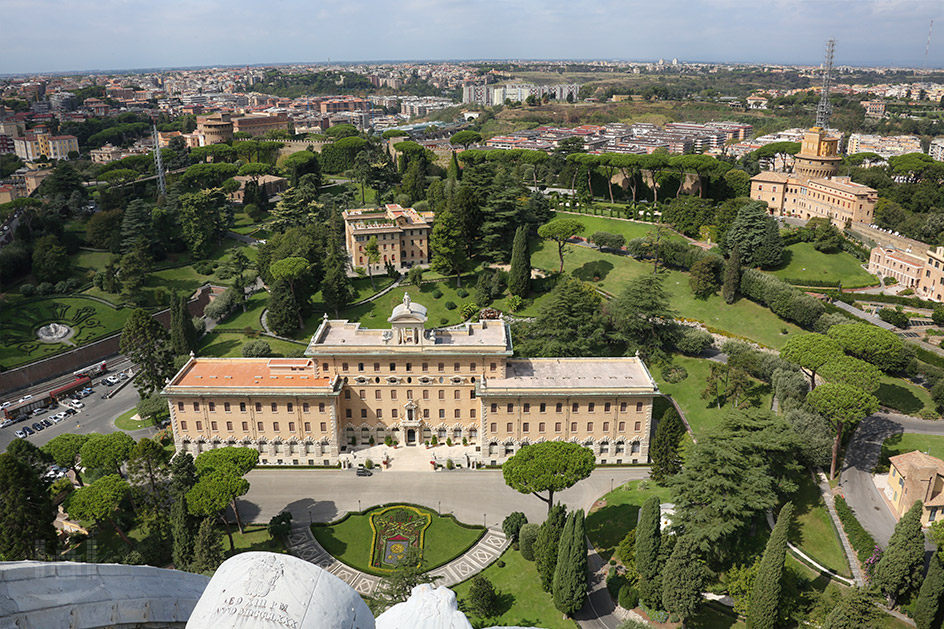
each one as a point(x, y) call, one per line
point(784, 300)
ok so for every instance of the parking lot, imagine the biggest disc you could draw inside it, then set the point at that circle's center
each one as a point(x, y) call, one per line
point(97, 415)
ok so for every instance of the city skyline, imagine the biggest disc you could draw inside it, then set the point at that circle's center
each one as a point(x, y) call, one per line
point(891, 33)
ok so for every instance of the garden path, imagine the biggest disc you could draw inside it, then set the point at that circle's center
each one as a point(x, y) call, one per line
point(488, 549)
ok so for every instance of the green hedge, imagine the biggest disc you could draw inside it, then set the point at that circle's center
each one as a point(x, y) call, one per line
point(898, 300)
point(863, 543)
point(928, 356)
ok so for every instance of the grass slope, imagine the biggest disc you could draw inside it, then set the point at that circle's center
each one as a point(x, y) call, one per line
point(813, 530)
point(801, 261)
point(615, 514)
point(909, 442)
point(522, 602)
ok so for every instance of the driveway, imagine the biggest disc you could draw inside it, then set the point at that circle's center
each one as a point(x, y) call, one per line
point(862, 455)
point(473, 496)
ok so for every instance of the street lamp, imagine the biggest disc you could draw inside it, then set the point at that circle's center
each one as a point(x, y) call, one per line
point(440, 507)
point(483, 521)
point(611, 484)
point(309, 516)
point(358, 504)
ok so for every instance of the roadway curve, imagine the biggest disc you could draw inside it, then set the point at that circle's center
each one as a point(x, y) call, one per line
point(862, 455)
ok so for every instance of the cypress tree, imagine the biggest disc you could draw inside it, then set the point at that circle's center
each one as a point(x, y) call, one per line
point(899, 570)
point(182, 532)
point(927, 613)
point(186, 322)
point(519, 276)
point(336, 287)
point(282, 311)
point(732, 276)
point(527, 537)
point(570, 574)
point(664, 451)
point(683, 579)
point(546, 545)
point(182, 333)
point(207, 548)
point(648, 542)
point(765, 595)
point(454, 172)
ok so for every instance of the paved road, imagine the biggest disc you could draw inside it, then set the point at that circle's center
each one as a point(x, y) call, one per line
point(861, 456)
point(474, 496)
point(97, 416)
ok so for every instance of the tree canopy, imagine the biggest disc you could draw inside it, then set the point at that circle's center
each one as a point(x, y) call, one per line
point(549, 466)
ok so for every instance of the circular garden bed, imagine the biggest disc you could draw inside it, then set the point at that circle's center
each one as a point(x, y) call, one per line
point(376, 539)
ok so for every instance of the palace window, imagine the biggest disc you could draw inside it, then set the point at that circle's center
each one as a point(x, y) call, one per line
point(212, 406)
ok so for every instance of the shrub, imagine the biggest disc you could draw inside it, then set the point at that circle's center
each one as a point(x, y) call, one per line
point(450, 305)
point(784, 300)
point(204, 267)
point(468, 311)
point(443, 320)
point(515, 302)
point(27, 290)
point(463, 293)
point(527, 535)
point(388, 441)
point(280, 526)
point(256, 349)
point(435, 440)
point(907, 292)
point(369, 464)
point(62, 288)
point(896, 317)
point(45, 288)
point(436, 294)
point(512, 524)
point(449, 441)
point(628, 597)
point(693, 341)
point(449, 464)
point(673, 374)
point(863, 543)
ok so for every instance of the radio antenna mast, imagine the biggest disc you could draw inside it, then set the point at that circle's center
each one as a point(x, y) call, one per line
point(928, 45)
point(824, 109)
point(158, 163)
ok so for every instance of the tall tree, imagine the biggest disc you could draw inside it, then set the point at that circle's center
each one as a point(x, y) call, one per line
point(854, 372)
point(501, 215)
point(684, 577)
point(570, 322)
point(928, 608)
point(643, 317)
point(183, 335)
point(664, 451)
point(855, 610)
point(447, 246)
point(148, 474)
point(99, 501)
point(519, 276)
point(203, 216)
point(64, 450)
point(207, 548)
point(547, 544)
point(50, 259)
point(145, 342)
point(751, 234)
point(136, 223)
point(899, 570)
point(231, 460)
point(648, 542)
point(765, 595)
point(549, 466)
point(560, 231)
point(107, 452)
point(882, 348)
point(336, 288)
point(843, 406)
point(810, 352)
point(732, 276)
point(372, 254)
point(569, 587)
point(282, 312)
point(26, 512)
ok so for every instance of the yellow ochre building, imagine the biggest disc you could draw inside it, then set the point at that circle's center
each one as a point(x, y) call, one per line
point(411, 383)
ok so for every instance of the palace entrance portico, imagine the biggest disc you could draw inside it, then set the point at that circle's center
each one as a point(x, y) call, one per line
point(411, 426)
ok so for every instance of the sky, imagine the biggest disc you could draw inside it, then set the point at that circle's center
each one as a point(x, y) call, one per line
point(73, 35)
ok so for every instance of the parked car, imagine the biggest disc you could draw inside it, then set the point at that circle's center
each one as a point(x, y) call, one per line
point(6, 422)
point(39, 411)
point(363, 471)
point(5, 404)
point(46, 422)
point(24, 398)
point(29, 431)
point(76, 403)
point(122, 375)
point(69, 411)
point(38, 427)
point(58, 417)
point(20, 434)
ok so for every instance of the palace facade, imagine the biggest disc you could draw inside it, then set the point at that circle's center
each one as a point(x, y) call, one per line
point(402, 235)
point(357, 386)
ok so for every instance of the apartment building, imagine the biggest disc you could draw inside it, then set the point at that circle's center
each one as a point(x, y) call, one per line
point(884, 145)
point(356, 386)
point(402, 235)
point(33, 145)
point(936, 150)
point(905, 267)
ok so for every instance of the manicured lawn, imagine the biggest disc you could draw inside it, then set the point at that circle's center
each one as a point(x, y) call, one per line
point(903, 396)
point(229, 344)
point(711, 618)
point(909, 442)
point(349, 540)
point(743, 318)
point(703, 414)
point(629, 229)
point(803, 262)
point(124, 421)
point(255, 538)
point(362, 289)
point(249, 319)
point(18, 324)
point(522, 601)
point(608, 524)
point(813, 530)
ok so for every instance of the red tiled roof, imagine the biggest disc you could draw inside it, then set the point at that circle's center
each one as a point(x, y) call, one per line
point(241, 373)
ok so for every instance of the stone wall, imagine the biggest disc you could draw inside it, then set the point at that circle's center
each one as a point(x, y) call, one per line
point(67, 362)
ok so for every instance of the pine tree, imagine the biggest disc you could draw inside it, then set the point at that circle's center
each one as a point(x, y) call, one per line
point(648, 542)
point(519, 276)
point(281, 309)
point(569, 587)
point(927, 612)
point(683, 579)
point(27, 515)
point(500, 216)
point(546, 545)
point(770, 252)
point(664, 451)
point(732, 277)
point(483, 599)
point(449, 252)
point(765, 596)
point(336, 289)
point(136, 223)
point(182, 532)
point(207, 548)
point(899, 570)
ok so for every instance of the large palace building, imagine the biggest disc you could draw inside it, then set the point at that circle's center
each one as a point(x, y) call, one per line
point(813, 190)
point(411, 383)
point(402, 236)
